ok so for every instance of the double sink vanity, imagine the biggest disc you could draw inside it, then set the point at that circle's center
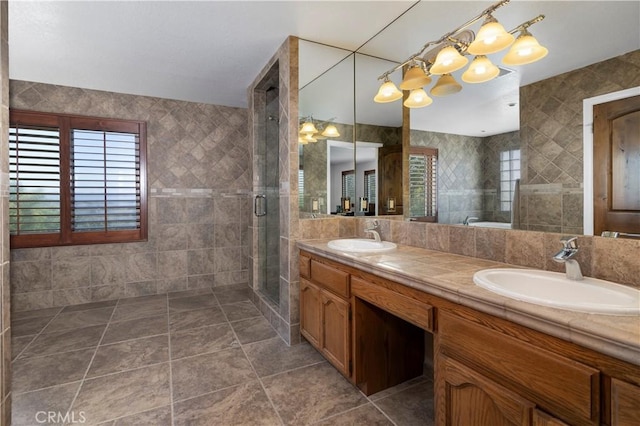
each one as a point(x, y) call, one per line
point(384, 313)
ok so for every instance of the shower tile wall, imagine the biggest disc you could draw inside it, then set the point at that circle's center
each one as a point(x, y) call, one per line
point(284, 316)
point(199, 174)
point(551, 132)
point(460, 180)
point(5, 311)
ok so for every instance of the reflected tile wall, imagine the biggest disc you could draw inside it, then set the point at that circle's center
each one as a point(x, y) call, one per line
point(551, 131)
point(199, 174)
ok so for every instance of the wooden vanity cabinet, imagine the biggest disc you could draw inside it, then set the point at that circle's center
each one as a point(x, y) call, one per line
point(625, 403)
point(325, 311)
point(487, 370)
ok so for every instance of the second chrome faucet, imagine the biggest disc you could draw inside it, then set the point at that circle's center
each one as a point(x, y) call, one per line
point(370, 227)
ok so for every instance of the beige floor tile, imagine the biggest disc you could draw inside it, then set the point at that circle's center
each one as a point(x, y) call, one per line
point(117, 395)
point(246, 404)
point(65, 341)
point(127, 312)
point(241, 310)
point(31, 408)
point(129, 355)
point(273, 356)
point(310, 394)
point(253, 330)
point(78, 319)
point(135, 329)
point(411, 405)
point(50, 370)
point(182, 320)
point(192, 303)
point(206, 373)
point(364, 415)
point(201, 340)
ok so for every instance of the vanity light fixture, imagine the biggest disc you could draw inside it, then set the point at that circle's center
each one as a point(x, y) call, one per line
point(313, 130)
point(480, 70)
point(525, 50)
point(447, 55)
point(446, 85)
point(418, 98)
point(388, 92)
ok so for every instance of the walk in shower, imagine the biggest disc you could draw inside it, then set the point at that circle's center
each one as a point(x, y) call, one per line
point(267, 187)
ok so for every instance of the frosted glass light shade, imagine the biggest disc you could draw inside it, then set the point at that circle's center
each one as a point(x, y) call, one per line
point(414, 78)
point(302, 141)
point(480, 70)
point(446, 85)
point(388, 92)
point(310, 138)
point(525, 50)
point(331, 131)
point(491, 38)
point(418, 98)
point(448, 61)
point(308, 128)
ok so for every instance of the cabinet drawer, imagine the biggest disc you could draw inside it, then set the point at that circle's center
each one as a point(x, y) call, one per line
point(304, 267)
point(331, 278)
point(557, 384)
point(404, 307)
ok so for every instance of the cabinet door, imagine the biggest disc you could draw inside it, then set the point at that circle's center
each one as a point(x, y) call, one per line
point(540, 418)
point(310, 312)
point(466, 398)
point(625, 403)
point(335, 331)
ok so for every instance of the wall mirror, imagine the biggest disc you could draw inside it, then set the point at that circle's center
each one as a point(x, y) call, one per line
point(476, 131)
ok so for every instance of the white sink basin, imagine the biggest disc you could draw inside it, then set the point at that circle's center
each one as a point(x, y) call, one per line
point(361, 245)
point(555, 290)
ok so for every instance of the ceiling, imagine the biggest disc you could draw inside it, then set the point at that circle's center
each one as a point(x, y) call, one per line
point(211, 51)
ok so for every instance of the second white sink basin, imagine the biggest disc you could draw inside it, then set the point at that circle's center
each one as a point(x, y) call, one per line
point(361, 245)
point(556, 290)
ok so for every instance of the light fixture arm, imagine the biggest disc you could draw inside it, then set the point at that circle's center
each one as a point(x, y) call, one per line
point(448, 36)
point(524, 26)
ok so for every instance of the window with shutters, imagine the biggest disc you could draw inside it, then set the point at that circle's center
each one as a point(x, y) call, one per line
point(423, 188)
point(76, 180)
point(370, 185)
point(349, 185)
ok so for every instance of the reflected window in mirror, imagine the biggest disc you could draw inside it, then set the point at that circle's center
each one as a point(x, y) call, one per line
point(509, 175)
point(423, 185)
point(370, 189)
point(348, 188)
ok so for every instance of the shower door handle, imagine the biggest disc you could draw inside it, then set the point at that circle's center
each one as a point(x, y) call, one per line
point(260, 205)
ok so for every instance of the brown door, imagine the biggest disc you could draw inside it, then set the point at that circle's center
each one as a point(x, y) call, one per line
point(616, 166)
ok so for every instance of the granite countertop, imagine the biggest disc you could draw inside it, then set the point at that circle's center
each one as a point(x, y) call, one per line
point(450, 276)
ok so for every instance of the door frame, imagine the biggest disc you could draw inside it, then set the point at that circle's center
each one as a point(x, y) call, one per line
point(587, 138)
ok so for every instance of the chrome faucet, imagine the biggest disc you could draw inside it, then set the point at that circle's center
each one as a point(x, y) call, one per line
point(370, 227)
point(569, 250)
point(467, 220)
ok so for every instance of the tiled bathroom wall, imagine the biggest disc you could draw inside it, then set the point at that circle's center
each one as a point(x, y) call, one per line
point(551, 133)
point(199, 173)
point(5, 289)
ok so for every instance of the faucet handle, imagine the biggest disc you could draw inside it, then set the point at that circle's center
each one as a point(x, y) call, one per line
point(570, 243)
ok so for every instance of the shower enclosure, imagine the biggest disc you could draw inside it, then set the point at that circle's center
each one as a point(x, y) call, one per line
point(266, 190)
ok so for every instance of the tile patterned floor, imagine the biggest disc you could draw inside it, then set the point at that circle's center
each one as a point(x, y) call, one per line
point(190, 358)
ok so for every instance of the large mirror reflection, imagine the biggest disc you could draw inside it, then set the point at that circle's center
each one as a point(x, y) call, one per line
point(508, 152)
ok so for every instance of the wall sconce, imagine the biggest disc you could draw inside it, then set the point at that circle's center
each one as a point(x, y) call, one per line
point(391, 204)
point(315, 205)
point(346, 204)
point(447, 54)
point(364, 204)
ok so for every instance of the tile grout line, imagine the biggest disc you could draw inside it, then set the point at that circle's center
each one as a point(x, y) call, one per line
point(75, 397)
point(170, 363)
point(37, 335)
point(264, 389)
